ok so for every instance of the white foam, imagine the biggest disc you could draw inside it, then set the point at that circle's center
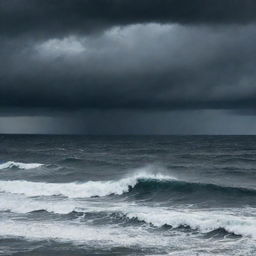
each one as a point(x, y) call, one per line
point(22, 204)
point(22, 166)
point(114, 235)
point(205, 221)
point(105, 237)
point(77, 190)
point(63, 231)
point(238, 221)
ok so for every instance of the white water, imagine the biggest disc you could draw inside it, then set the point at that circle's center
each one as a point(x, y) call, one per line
point(238, 221)
point(73, 232)
point(22, 166)
point(22, 204)
point(106, 236)
point(202, 220)
point(77, 190)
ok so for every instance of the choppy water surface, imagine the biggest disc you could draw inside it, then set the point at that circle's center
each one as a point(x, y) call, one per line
point(127, 195)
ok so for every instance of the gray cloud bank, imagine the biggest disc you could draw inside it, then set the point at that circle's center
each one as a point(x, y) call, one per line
point(149, 66)
point(143, 57)
point(54, 17)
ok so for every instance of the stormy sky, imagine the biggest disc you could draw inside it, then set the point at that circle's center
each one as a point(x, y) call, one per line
point(128, 66)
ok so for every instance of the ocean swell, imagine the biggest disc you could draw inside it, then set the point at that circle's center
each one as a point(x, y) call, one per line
point(79, 190)
point(137, 184)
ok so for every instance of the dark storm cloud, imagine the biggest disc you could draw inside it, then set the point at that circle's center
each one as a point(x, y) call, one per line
point(58, 18)
point(150, 67)
point(117, 66)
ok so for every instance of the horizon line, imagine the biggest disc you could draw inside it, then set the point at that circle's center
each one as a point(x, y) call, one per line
point(84, 134)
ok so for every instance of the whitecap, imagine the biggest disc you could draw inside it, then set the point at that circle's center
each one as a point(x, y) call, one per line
point(78, 190)
point(19, 165)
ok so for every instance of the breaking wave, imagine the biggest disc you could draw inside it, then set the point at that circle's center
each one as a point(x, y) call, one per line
point(79, 190)
point(204, 221)
point(138, 184)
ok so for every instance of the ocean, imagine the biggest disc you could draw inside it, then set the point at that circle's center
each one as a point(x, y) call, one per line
point(127, 195)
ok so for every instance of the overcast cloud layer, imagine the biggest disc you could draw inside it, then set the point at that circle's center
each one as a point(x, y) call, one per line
point(54, 17)
point(62, 57)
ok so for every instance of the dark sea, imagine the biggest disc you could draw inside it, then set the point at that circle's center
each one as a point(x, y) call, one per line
point(127, 195)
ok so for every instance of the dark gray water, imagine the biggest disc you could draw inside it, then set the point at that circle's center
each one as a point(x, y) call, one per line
point(127, 195)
